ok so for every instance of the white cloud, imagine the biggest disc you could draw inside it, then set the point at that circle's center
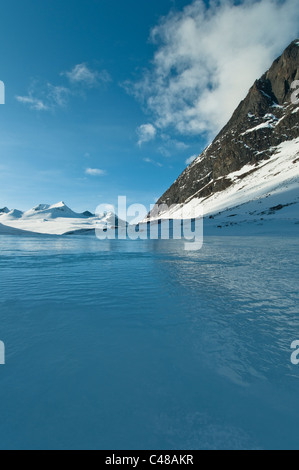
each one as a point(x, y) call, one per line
point(146, 133)
point(153, 162)
point(95, 172)
point(35, 104)
point(58, 95)
point(45, 98)
point(191, 159)
point(82, 74)
point(208, 58)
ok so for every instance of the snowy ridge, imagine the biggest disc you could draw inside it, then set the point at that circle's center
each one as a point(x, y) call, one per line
point(52, 212)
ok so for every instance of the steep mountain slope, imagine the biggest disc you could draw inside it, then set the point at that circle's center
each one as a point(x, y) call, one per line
point(256, 154)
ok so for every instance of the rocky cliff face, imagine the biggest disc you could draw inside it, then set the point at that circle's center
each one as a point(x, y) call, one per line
point(265, 119)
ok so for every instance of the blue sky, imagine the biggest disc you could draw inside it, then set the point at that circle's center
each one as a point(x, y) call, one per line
point(105, 98)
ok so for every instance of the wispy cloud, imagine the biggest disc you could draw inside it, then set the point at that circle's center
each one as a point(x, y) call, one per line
point(95, 172)
point(81, 74)
point(153, 162)
point(191, 159)
point(170, 146)
point(58, 95)
point(45, 97)
point(33, 103)
point(146, 133)
point(207, 58)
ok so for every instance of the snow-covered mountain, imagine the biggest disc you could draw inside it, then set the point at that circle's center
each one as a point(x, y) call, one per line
point(251, 170)
point(57, 219)
point(13, 214)
point(52, 212)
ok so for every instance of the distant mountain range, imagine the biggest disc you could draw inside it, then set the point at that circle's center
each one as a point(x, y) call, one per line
point(57, 219)
point(250, 172)
point(51, 212)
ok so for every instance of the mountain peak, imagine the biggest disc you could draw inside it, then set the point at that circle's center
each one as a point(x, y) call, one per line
point(283, 73)
point(5, 210)
point(59, 205)
point(15, 214)
point(263, 121)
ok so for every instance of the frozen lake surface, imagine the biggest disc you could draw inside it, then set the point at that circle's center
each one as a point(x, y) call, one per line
point(142, 345)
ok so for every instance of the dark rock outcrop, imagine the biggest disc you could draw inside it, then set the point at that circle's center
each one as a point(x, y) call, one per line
point(5, 210)
point(87, 214)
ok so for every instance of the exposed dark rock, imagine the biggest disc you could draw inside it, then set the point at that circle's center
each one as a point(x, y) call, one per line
point(88, 214)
